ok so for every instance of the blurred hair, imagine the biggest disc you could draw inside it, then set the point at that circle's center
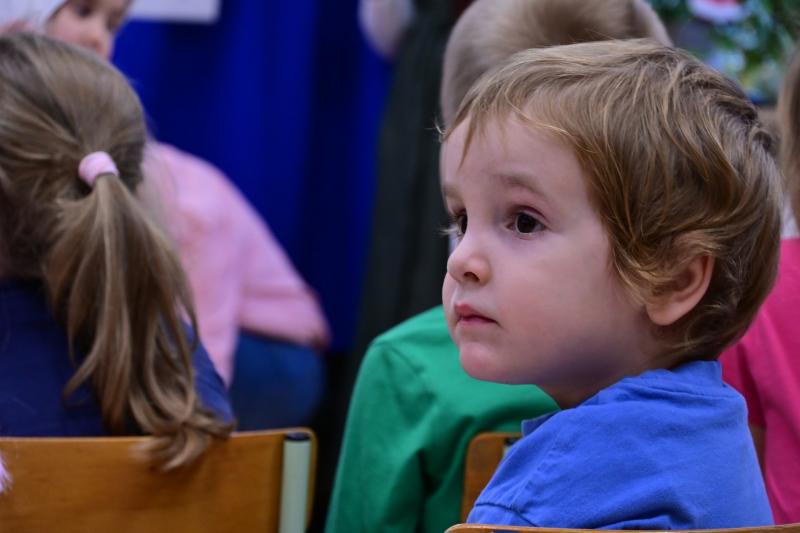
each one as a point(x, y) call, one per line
point(491, 31)
point(789, 123)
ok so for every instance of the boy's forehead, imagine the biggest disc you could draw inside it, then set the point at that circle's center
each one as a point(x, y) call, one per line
point(460, 143)
point(513, 154)
point(487, 140)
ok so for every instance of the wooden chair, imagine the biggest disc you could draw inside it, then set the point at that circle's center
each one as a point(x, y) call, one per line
point(484, 453)
point(479, 528)
point(260, 481)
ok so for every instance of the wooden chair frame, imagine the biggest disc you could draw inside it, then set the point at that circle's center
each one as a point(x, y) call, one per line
point(73, 485)
point(482, 528)
point(484, 453)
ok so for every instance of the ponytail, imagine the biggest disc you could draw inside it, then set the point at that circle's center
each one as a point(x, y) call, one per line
point(119, 289)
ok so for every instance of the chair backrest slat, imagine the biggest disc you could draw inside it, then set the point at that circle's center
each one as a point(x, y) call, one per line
point(484, 453)
point(99, 484)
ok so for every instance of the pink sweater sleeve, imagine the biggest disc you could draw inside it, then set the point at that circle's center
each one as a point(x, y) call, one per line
point(240, 276)
point(276, 302)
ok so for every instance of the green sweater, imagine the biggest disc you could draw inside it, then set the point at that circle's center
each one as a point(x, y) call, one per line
point(414, 411)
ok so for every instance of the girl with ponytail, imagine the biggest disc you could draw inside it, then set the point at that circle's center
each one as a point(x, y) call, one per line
point(93, 301)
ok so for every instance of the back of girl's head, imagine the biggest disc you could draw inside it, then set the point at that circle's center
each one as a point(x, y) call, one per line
point(789, 119)
point(57, 105)
point(113, 281)
point(491, 31)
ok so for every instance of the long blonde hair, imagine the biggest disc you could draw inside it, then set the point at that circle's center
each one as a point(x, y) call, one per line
point(113, 279)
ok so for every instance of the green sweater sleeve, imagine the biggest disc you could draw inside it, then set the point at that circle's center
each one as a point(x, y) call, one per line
point(379, 481)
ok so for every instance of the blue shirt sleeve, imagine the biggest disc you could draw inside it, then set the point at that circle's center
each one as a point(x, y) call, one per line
point(493, 514)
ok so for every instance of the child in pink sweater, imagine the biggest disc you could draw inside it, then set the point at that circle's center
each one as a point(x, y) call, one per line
point(763, 365)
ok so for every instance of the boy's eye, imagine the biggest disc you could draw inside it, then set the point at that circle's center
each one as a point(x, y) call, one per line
point(525, 223)
point(458, 225)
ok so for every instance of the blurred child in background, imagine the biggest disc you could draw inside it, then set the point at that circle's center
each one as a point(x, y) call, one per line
point(763, 365)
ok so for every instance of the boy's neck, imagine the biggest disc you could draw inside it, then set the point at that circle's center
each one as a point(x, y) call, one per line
point(574, 394)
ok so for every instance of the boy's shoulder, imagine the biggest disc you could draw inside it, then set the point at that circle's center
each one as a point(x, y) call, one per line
point(642, 454)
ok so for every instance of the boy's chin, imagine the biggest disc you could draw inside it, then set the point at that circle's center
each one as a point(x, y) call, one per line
point(485, 365)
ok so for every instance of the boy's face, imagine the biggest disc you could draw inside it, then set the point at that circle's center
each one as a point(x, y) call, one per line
point(529, 294)
point(92, 24)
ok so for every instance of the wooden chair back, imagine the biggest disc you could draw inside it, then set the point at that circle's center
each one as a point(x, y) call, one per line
point(484, 453)
point(241, 485)
point(479, 528)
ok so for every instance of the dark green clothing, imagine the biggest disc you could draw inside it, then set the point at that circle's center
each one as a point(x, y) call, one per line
point(414, 411)
point(407, 255)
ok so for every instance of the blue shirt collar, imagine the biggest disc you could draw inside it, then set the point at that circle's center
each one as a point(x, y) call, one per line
point(687, 375)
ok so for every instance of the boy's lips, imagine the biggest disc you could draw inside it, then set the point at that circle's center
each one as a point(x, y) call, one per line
point(467, 315)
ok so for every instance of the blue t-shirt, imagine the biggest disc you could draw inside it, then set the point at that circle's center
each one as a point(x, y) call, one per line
point(669, 449)
point(35, 366)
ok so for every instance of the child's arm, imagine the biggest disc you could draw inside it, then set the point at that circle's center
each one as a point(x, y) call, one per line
point(379, 480)
point(276, 301)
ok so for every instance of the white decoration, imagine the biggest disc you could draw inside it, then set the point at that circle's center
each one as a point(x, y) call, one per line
point(202, 11)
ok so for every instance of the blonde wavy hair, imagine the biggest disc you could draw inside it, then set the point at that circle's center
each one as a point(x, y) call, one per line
point(112, 277)
point(678, 167)
point(491, 31)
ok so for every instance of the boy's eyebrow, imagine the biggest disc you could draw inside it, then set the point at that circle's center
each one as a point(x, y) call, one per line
point(516, 181)
point(511, 181)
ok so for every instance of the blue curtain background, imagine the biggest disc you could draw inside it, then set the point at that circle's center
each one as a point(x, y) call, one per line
point(285, 98)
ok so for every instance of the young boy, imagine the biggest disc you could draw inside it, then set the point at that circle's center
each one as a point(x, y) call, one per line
point(414, 409)
point(617, 214)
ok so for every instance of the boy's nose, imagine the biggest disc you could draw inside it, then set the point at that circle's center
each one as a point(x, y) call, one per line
point(468, 262)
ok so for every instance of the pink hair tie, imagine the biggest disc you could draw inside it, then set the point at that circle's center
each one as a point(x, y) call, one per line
point(95, 165)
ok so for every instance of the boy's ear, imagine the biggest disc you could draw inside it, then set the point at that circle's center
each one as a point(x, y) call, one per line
point(689, 288)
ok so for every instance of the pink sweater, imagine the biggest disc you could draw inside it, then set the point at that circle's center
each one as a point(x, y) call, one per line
point(765, 367)
point(240, 276)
